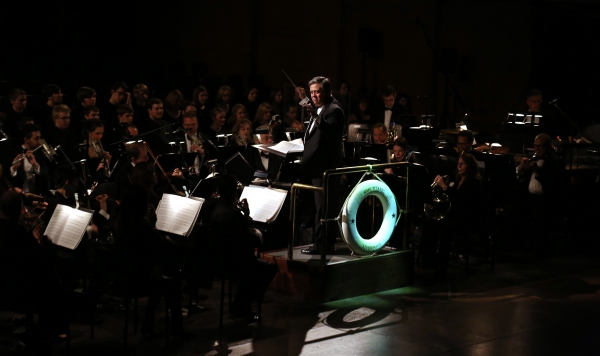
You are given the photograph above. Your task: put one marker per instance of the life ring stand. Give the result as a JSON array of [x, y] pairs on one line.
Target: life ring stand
[[392, 211]]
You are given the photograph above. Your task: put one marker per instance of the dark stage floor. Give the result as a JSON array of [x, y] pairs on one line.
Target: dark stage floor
[[527, 306]]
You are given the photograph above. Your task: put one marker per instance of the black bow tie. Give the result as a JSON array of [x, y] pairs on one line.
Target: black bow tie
[[386, 109], [264, 154]]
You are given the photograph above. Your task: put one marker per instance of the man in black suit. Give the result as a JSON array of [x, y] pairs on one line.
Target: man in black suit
[[322, 151], [391, 111], [543, 185], [464, 143], [29, 173]]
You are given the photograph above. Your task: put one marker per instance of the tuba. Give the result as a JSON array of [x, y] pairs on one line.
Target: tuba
[[440, 206]]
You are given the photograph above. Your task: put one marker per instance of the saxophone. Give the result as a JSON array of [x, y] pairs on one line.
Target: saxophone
[[392, 133]]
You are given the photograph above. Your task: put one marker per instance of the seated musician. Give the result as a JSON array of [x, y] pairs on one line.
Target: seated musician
[[156, 131], [290, 120], [238, 113], [98, 161], [27, 274], [28, 169], [401, 154], [464, 190], [145, 257], [125, 116], [60, 134], [230, 226], [380, 134], [464, 144], [217, 116], [542, 187], [196, 142], [242, 134], [262, 160], [136, 153]]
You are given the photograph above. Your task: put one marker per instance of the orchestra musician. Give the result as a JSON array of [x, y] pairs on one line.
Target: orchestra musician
[[541, 193], [322, 151], [146, 258], [28, 274], [28, 169], [230, 226], [59, 134], [464, 190], [98, 161], [400, 151], [242, 134], [380, 134], [464, 144]]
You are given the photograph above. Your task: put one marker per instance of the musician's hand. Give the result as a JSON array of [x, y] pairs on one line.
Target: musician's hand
[[177, 173], [197, 149], [440, 181], [18, 164], [101, 199], [243, 205], [94, 229], [388, 171], [301, 93], [100, 166], [108, 156], [128, 99], [31, 158]]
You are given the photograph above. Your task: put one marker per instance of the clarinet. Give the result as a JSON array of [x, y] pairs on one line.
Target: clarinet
[[100, 152]]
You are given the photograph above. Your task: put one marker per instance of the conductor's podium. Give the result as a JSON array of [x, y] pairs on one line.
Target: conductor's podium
[[343, 275]]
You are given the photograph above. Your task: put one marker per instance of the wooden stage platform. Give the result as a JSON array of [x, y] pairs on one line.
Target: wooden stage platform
[[343, 276]]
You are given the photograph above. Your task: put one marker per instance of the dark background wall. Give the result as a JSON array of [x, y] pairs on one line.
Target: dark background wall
[[491, 51]]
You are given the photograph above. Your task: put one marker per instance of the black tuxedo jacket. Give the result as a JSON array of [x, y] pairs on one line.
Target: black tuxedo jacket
[[379, 114], [323, 143]]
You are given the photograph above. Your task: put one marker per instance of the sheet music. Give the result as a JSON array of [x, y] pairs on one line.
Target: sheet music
[[264, 203], [67, 226], [177, 214], [283, 147], [74, 229], [57, 222]]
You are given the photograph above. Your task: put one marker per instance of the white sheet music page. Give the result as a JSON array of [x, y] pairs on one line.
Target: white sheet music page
[[57, 222], [264, 203], [74, 229], [286, 147], [176, 214]]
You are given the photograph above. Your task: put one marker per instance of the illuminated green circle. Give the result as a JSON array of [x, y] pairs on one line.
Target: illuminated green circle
[[350, 234]]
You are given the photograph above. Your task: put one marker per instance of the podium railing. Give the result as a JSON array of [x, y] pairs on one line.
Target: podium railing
[[339, 171]]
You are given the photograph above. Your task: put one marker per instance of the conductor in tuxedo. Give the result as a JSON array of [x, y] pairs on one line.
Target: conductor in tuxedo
[[322, 151]]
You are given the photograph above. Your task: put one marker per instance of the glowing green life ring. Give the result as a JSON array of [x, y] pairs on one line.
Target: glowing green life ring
[[359, 245]]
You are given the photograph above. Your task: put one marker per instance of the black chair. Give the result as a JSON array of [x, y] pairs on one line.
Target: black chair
[[429, 161]]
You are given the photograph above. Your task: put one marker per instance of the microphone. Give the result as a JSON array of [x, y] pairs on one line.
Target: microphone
[[553, 102]]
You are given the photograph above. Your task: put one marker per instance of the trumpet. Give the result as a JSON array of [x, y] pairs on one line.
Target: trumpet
[[97, 145], [521, 170]]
